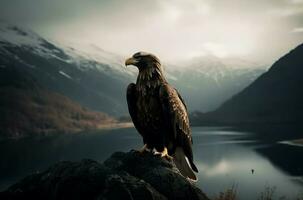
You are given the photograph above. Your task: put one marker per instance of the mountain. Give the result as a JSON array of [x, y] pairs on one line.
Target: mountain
[[95, 85], [274, 97], [97, 79], [29, 109], [208, 81]]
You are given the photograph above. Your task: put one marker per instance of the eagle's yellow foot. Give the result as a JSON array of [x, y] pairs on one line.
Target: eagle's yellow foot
[[144, 149], [164, 154]]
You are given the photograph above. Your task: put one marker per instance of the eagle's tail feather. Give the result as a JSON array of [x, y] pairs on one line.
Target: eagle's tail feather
[[183, 165], [193, 166]]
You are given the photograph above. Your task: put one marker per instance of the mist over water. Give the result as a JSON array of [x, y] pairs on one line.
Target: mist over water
[[223, 156]]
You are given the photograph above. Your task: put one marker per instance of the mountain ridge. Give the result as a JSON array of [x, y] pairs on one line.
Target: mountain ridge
[[274, 97]]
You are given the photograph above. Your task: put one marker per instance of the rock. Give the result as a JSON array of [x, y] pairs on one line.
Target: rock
[[127, 176]]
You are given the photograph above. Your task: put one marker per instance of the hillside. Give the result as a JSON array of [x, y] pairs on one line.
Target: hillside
[[28, 109], [275, 97], [66, 71]]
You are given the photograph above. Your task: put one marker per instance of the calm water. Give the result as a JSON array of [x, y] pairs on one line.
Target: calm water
[[224, 158]]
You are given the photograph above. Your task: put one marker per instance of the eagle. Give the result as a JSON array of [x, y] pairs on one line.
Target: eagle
[[160, 114]]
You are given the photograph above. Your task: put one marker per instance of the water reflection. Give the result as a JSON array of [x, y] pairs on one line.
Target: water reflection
[[230, 142], [290, 143], [227, 159], [224, 157], [222, 167]]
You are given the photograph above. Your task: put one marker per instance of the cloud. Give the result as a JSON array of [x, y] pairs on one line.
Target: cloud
[[286, 12], [172, 29], [216, 49], [297, 30], [297, 1]]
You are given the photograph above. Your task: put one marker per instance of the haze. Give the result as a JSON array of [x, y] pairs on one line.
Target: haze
[[174, 30]]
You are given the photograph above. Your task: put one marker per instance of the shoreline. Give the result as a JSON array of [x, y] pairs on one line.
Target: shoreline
[[117, 125], [107, 126], [297, 142]]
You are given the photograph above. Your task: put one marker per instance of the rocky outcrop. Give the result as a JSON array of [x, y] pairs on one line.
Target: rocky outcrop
[[123, 176]]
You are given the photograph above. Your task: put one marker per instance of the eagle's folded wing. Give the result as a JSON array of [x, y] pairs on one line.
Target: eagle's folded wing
[[131, 97], [176, 118]]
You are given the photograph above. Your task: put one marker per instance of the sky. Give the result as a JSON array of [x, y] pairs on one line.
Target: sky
[[174, 30]]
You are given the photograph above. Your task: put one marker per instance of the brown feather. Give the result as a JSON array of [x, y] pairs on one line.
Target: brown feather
[[160, 115]]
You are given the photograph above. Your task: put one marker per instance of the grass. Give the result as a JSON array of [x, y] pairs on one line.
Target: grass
[[228, 194], [269, 193]]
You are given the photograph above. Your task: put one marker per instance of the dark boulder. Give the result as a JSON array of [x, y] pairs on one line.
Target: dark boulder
[[122, 176]]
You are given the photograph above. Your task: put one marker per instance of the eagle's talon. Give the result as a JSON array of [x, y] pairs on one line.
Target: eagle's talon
[[164, 154]]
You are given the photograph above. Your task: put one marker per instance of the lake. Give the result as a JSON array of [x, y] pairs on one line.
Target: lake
[[224, 156]]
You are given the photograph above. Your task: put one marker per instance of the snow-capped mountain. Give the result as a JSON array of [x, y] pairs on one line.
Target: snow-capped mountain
[[94, 84], [208, 81], [97, 78], [21, 37], [93, 57]]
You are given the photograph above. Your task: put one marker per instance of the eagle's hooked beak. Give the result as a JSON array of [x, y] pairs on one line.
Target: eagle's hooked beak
[[131, 61]]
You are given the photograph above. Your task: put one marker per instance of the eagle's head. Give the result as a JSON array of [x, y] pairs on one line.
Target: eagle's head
[[150, 70], [144, 61]]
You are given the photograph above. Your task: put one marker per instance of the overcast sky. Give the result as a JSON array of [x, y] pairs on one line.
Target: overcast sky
[[260, 30]]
